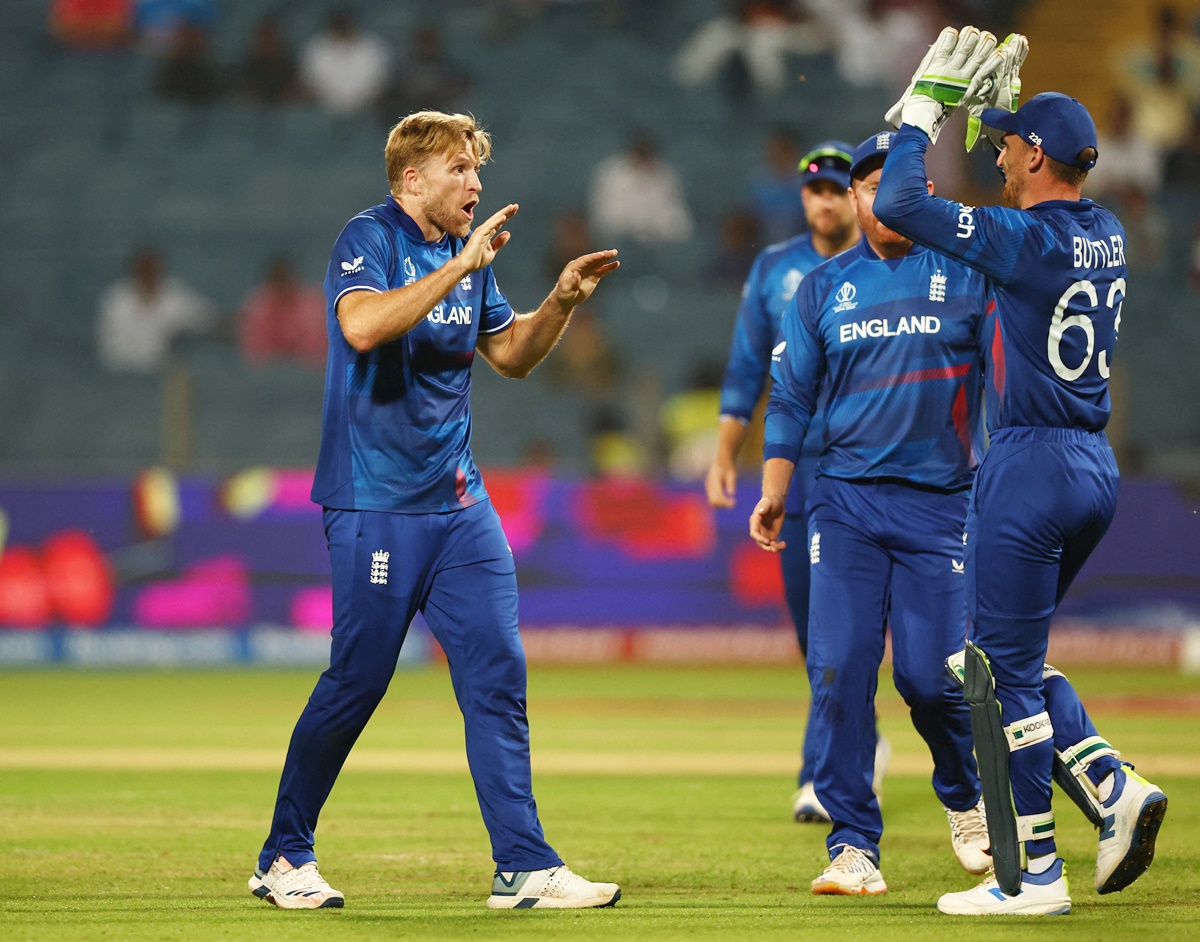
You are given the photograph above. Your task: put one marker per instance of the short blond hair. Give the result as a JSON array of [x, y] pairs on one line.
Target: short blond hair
[[426, 134]]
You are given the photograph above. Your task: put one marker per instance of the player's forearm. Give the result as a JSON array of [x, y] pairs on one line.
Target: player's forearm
[[369, 319], [777, 478], [531, 339], [903, 201], [731, 435]]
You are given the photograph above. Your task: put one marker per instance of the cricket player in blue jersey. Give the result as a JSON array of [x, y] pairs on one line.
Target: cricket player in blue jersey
[[411, 300], [889, 333], [773, 279], [1046, 491]]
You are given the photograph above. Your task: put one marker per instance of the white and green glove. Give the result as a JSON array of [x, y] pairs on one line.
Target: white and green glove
[[956, 60], [1001, 89]]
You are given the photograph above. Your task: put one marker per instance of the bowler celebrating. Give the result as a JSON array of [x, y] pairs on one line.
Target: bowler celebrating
[[411, 299]]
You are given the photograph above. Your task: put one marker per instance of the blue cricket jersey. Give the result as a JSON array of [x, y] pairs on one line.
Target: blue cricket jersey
[[773, 280], [1057, 274], [396, 428], [895, 344]]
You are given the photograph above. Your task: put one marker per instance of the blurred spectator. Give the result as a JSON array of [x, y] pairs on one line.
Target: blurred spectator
[[283, 318], [426, 80], [159, 22], [1145, 227], [862, 29], [738, 244], [638, 195], [1183, 163], [774, 193], [344, 68], [615, 450], [91, 24], [688, 421], [1162, 81], [268, 74], [758, 34], [584, 363], [140, 315], [1126, 158], [572, 238], [189, 73]]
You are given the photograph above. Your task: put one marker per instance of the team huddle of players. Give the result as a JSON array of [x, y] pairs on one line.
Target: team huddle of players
[[895, 323]]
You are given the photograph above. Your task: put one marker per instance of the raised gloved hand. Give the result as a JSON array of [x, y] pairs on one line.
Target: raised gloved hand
[[956, 60], [1000, 89]]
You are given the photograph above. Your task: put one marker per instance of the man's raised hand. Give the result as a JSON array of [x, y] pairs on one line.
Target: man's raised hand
[[580, 277], [487, 240], [999, 88], [955, 61]]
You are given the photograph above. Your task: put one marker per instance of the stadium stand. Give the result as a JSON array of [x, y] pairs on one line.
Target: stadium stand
[[93, 165]]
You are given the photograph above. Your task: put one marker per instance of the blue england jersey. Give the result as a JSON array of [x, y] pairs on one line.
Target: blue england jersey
[[1057, 274], [895, 345], [773, 280], [396, 429]]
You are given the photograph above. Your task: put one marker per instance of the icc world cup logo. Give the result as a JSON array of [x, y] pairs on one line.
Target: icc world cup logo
[[846, 293]]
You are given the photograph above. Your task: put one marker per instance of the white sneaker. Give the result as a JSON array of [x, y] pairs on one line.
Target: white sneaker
[[291, 887], [1133, 813], [556, 888], [807, 808], [969, 838], [851, 873], [883, 752], [1041, 894]]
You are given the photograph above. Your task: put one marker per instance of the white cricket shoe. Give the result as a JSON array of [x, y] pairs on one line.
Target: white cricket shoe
[[291, 887], [969, 838], [807, 808], [1041, 894], [851, 873], [556, 888], [1133, 813]]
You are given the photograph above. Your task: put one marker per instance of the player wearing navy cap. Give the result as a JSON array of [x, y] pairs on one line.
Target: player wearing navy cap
[[773, 279], [411, 300], [1046, 491], [889, 333]]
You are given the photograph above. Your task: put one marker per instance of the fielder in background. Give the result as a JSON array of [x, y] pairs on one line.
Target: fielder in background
[[1046, 491], [411, 300], [773, 279], [891, 331]]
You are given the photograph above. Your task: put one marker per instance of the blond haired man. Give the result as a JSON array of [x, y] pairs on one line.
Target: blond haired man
[[411, 298]]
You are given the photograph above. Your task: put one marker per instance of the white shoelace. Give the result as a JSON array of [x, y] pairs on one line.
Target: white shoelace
[[968, 827], [852, 860]]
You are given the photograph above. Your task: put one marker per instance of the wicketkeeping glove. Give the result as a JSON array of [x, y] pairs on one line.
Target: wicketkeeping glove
[[1002, 89], [953, 62]]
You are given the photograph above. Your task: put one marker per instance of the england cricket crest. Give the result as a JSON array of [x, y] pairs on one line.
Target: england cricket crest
[[379, 567]]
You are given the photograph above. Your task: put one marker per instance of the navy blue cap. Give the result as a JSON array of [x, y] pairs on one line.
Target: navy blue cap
[[829, 160], [1055, 122], [874, 147]]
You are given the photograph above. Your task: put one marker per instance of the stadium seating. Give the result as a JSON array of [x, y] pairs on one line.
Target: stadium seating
[[93, 166]]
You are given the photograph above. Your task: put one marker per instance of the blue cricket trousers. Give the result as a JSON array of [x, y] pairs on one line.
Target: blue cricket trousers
[[1043, 498], [455, 568], [885, 553]]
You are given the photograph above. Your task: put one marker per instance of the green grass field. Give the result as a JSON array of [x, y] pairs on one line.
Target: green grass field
[[133, 805]]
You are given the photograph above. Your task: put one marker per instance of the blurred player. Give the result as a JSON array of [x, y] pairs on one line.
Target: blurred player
[[774, 278], [1047, 488], [891, 332], [411, 300]]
